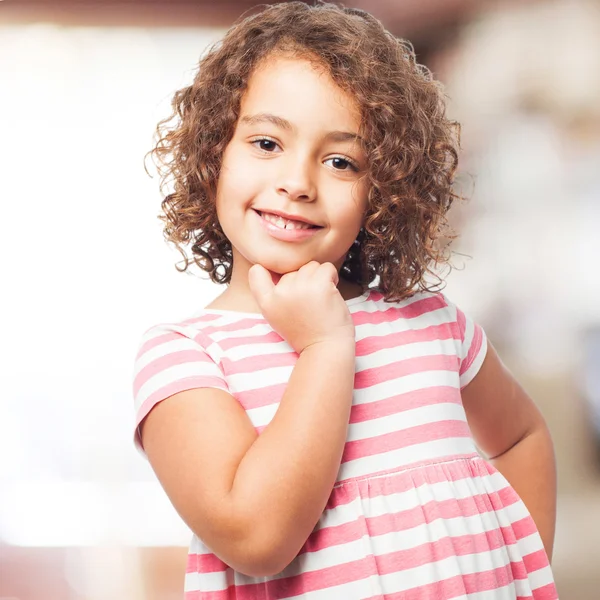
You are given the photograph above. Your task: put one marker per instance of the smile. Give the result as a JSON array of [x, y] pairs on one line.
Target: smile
[[286, 230], [282, 223]]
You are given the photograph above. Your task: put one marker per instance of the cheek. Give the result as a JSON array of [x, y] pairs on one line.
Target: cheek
[[239, 181], [351, 213]]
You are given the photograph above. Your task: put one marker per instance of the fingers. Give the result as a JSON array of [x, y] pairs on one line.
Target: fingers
[[331, 273], [324, 273], [260, 282]]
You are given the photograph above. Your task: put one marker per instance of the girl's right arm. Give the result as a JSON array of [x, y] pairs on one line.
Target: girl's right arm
[[254, 500]]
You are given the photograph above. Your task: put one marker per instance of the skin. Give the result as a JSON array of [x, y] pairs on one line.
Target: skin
[[203, 448], [300, 171]]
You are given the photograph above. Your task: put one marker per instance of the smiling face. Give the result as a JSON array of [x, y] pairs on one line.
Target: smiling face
[[291, 186]]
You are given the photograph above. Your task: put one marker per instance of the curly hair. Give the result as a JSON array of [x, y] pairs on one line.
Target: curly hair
[[410, 145]]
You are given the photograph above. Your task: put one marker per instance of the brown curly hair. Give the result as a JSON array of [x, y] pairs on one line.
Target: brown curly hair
[[411, 147]]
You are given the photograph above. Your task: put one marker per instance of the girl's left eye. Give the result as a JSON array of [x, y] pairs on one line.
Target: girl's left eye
[[342, 164], [339, 162]]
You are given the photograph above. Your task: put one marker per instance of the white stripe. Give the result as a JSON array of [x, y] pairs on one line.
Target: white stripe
[[452, 566], [173, 374], [363, 467], [411, 498], [205, 582], [245, 382], [507, 592], [400, 421], [250, 350], [261, 328], [165, 349], [541, 577], [397, 541], [401, 385], [409, 383], [418, 349], [402, 324], [374, 306], [440, 491], [262, 416], [355, 590], [530, 543]]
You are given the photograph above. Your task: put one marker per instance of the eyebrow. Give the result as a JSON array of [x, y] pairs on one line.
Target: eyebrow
[[334, 136]]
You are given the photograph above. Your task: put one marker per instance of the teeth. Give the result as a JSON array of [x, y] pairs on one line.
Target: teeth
[[284, 223]]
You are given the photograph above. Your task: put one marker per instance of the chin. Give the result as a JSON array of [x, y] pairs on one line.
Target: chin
[[281, 266]]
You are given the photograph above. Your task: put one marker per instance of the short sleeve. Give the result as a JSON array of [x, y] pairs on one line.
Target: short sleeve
[[472, 346], [171, 359]]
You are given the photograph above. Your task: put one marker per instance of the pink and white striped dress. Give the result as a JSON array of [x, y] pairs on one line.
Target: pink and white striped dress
[[416, 513]]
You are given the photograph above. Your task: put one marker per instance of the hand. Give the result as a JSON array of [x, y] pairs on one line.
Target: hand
[[304, 307]]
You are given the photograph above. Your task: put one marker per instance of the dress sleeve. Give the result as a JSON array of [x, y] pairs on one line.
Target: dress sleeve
[[472, 344], [171, 359]]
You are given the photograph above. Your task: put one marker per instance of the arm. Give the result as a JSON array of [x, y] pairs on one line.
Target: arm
[[510, 430], [255, 500]]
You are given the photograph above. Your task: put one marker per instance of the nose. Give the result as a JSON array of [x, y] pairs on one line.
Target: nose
[[296, 180]]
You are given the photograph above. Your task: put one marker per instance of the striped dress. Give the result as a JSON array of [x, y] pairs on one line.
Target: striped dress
[[415, 513]]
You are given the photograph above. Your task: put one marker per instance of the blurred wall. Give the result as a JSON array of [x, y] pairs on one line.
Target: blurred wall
[[81, 515]]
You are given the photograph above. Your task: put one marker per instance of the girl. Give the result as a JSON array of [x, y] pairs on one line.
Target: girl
[[317, 425]]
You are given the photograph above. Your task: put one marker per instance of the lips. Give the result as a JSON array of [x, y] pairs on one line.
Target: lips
[[286, 221]]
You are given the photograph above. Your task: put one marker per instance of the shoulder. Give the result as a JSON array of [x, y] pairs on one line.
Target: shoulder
[[422, 306], [202, 327]]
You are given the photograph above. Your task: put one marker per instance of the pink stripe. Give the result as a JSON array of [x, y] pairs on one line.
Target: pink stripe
[[473, 350], [507, 495], [432, 552], [404, 438], [204, 318], [229, 594], [523, 527], [237, 325], [459, 585], [261, 396], [402, 368], [535, 561], [310, 581], [357, 570], [547, 592], [461, 321], [434, 333], [255, 364], [171, 336], [179, 357], [360, 413], [236, 342], [428, 472], [173, 388], [385, 315], [402, 402], [429, 512], [204, 563]]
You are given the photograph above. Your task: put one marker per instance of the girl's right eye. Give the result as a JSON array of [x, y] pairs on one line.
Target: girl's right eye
[[265, 144]]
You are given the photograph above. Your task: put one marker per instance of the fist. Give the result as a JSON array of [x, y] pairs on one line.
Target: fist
[[304, 307]]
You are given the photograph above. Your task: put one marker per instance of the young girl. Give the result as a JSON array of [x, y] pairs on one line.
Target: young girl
[[317, 426]]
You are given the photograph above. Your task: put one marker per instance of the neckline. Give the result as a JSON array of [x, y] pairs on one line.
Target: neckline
[[255, 315]]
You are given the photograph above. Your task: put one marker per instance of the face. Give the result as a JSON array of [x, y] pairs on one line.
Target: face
[[292, 186]]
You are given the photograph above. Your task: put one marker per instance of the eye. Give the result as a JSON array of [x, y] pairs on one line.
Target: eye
[[265, 144], [341, 164]]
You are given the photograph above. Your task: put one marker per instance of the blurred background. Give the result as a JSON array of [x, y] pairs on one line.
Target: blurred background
[[86, 271]]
